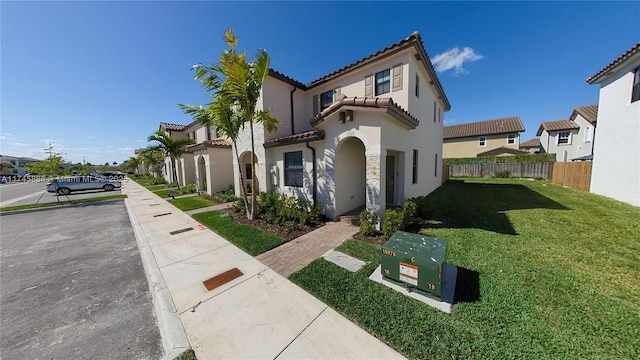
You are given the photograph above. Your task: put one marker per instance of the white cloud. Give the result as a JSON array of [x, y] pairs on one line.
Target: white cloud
[[19, 144], [454, 59]]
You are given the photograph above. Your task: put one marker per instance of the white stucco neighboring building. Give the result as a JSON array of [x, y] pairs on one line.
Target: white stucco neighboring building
[[616, 158], [570, 139], [367, 135]]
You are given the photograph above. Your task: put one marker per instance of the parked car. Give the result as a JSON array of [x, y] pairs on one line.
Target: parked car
[[113, 175], [66, 185]]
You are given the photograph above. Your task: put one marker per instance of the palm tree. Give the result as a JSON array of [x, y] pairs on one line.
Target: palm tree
[[151, 157], [237, 84], [170, 147]]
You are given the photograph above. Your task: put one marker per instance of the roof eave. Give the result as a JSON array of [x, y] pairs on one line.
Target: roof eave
[[269, 145]]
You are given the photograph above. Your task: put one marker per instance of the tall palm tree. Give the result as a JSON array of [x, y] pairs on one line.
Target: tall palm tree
[[236, 83], [152, 159], [170, 147]]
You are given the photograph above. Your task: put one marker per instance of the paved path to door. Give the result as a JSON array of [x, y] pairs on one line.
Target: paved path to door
[[298, 253]]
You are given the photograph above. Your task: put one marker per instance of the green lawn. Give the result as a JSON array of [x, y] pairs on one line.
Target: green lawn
[[191, 202], [162, 193], [251, 240], [49, 204], [545, 272]]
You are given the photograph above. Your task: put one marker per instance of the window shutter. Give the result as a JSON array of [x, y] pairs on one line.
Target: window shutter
[[336, 94], [397, 77], [315, 105], [368, 86]]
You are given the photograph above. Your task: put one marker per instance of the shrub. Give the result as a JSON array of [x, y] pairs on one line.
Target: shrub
[[189, 189], [408, 212], [238, 206], [226, 196], [315, 212], [393, 220], [279, 209], [158, 181], [368, 222], [502, 174], [423, 207]]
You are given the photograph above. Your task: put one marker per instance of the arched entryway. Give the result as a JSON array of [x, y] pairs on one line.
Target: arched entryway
[[201, 167], [247, 173], [350, 176], [179, 173]]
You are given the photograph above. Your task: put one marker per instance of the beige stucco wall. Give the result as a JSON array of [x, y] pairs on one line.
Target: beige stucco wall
[[468, 147]]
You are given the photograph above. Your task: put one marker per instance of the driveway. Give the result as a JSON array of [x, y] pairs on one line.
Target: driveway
[[73, 286]]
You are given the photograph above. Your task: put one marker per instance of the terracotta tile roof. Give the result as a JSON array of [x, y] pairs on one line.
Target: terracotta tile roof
[[373, 102], [600, 75], [557, 126], [170, 126], [535, 142], [295, 138], [488, 127], [502, 150], [215, 143], [588, 112]]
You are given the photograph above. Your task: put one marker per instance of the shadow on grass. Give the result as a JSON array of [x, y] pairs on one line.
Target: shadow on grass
[[458, 204], [467, 286]]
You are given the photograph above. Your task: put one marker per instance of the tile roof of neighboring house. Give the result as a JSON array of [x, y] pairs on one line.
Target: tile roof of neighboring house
[[502, 150], [413, 40], [14, 158], [174, 127], [374, 102], [535, 142], [215, 143], [488, 127], [295, 138], [556, 126], [607, 70], [588, 112]]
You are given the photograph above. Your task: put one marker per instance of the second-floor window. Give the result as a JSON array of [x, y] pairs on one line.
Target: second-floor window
[[208, 132], [482, 141], [635, 92], [588, 134], [415, 166], [383, 82], [293, 168], [511, 139], [564, 137], [326, 99]]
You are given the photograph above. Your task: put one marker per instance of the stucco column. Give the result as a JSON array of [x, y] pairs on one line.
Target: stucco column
[[374, 197]]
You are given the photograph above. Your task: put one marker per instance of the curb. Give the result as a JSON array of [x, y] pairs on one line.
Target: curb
[[174, 337]]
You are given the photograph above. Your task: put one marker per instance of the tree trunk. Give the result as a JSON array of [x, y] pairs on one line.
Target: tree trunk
[[253, 174], [175, 172], [243, 189]]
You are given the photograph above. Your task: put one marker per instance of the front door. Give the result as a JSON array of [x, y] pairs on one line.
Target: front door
[[391, 180]]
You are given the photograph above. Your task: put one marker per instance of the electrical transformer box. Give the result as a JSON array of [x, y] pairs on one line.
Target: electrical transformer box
[[415, 261]]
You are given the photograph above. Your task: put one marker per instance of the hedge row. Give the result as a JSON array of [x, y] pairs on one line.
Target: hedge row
[[530, 158]]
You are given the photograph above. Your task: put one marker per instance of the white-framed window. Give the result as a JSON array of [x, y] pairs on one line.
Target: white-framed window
[[383, 82], [482, 141], [635, 91], [417, 86], [588, 134], [326, 99], [415, 166], [511, 139], [564, 137], [293, 168]]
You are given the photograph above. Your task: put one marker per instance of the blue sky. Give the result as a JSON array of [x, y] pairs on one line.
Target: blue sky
[[96, 78]]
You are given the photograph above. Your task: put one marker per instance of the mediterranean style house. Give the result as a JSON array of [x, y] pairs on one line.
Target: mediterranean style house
[[531, 146], [366, 135], [570, 139], [207, 163], [616, 154], [18, 163], [481, 138]]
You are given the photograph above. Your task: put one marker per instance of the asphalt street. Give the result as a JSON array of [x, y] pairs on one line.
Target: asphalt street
[[73, 286], [14, 194]]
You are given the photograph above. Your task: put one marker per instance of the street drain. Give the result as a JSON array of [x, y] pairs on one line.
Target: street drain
[[180, 231], [222, 279], [154, 204], [147, 199], [161, 214]]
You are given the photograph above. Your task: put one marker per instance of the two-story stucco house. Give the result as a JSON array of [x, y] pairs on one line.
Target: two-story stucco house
[[479, 138], [616, 155], [532, 146], [367, 135], [570, 139], [207, 163], [18, 163]]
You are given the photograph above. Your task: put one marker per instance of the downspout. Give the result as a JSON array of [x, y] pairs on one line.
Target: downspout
[[291, 100], [314, 175]]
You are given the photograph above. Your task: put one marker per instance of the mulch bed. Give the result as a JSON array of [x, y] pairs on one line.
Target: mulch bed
[[415, 227], [288, 234]]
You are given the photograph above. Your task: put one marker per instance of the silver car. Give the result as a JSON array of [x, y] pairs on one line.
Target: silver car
[[67, 184]]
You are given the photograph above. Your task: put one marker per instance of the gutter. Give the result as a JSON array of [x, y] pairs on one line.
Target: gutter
[[314, 176]]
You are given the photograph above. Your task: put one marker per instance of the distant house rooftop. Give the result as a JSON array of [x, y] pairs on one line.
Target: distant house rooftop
[[487, 127], [532, 143], [558, 125], [588, 112]]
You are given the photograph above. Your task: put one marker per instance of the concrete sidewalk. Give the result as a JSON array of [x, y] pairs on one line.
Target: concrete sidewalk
[[259, 315]]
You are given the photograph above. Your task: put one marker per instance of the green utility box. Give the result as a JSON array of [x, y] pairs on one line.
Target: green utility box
[[414, 261]]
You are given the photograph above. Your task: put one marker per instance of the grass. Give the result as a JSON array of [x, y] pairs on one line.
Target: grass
[[157, 187], [162, 193], [187, 355], [192, 202], [249, 239], [49, 204], [545, 272]]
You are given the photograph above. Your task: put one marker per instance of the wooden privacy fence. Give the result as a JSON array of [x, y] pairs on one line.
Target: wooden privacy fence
[[575, 175], [526, 170]]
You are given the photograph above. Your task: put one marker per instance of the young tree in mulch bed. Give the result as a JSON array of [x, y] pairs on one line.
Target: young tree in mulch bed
[[289, 233]]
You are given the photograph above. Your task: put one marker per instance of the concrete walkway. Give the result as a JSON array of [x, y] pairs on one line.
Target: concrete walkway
[[298, 253], [259, 315]]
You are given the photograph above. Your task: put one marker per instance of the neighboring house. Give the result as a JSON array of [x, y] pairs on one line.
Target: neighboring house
[[18, 163], [570, 139], [503, 151], [531, 146], [473, 139], [616, 155], [367, 135], [207, 163]]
